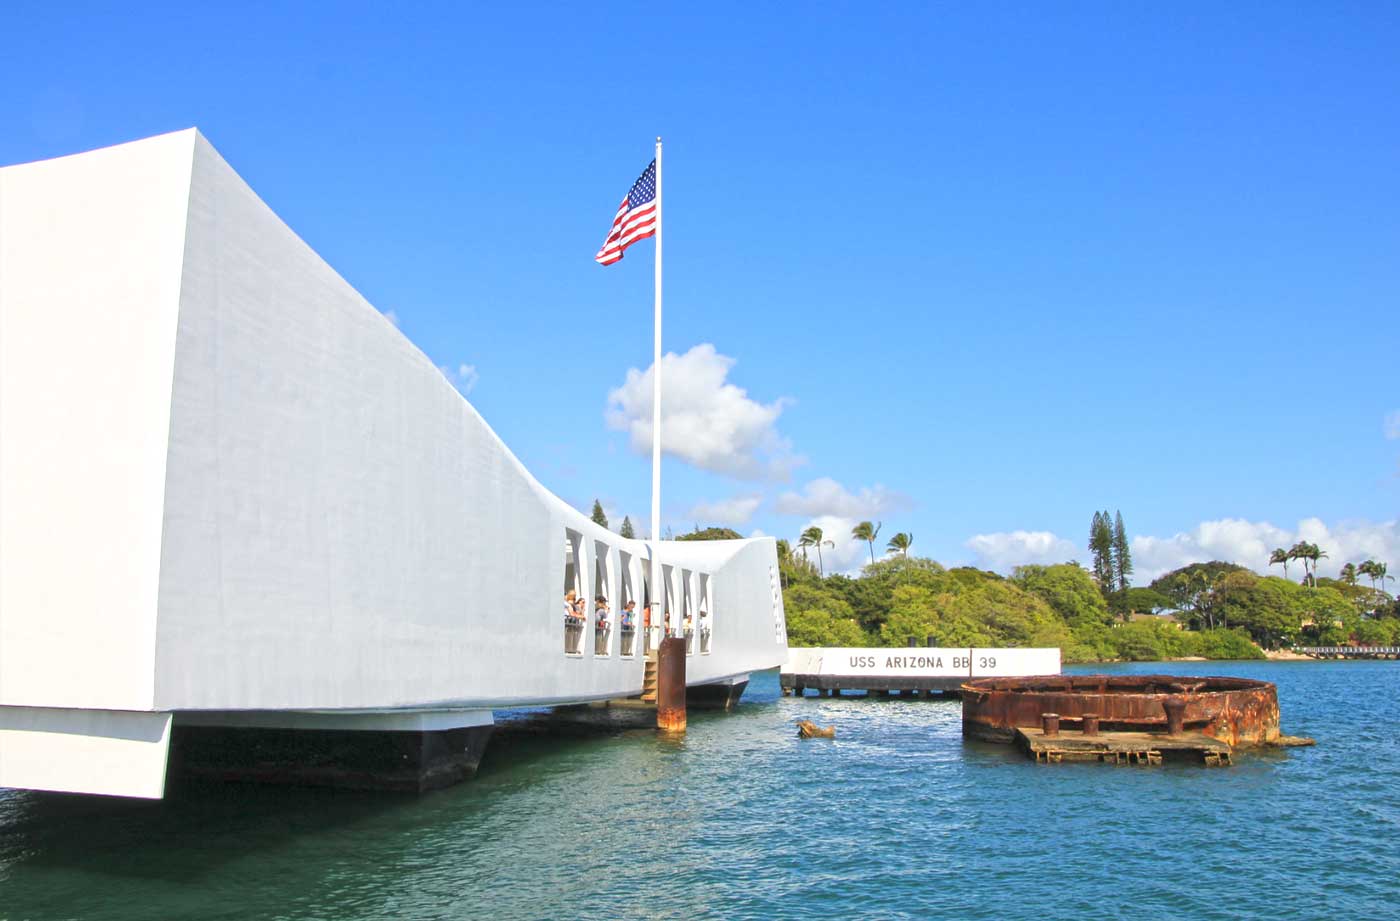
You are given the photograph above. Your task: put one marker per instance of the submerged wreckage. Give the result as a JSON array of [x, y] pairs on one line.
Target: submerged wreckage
[[1118, 719]]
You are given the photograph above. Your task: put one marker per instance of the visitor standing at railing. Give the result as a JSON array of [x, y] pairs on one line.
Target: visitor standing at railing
[[574, 620]]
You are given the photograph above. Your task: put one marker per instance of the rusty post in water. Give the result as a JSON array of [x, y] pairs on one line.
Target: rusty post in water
[[1050, 722], [670, 685], [1176, 714], [1091, 724]]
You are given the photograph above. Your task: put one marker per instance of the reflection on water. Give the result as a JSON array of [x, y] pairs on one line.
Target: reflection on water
[[898, 817]]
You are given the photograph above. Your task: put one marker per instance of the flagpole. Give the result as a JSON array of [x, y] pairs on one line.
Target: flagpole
[[656, 401], [656, 372]]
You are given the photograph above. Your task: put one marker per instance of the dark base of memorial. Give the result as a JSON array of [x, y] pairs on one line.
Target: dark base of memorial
[[406, 761], [715, 696]]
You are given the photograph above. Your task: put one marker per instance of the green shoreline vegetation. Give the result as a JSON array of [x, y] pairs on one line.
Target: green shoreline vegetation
[[1211, 610]]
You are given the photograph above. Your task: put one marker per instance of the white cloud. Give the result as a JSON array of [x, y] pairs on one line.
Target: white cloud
[[847, 554], [825, 496], [391, 317], [464, 378], [1233, 540], [1004, 550], [735, 510], [1392, 425], [706, 421]]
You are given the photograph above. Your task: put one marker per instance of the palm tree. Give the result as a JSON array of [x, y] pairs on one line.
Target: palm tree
[[1315, 553], [1280, 556], [1348, 574], [864, 531], [1299, 551], [812, 537], [1376, 572], [784, 561], [900, 543]]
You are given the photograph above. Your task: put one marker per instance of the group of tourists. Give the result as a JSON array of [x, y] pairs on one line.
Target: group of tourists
[[575, 617]]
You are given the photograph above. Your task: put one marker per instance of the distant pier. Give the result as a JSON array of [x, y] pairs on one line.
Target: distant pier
[[1349, 652], [912, 671]]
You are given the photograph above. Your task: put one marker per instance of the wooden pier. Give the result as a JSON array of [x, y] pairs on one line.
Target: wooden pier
[[1144, 748], [1349, 652]]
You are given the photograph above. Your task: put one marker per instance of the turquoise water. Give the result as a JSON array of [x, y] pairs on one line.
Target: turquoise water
[[898, 818]]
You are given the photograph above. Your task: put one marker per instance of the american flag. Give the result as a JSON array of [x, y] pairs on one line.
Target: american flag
[[635, 220]]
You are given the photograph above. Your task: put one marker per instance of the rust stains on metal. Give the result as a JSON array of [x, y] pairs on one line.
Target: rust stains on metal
[[1175, 708], [670, 685], [1236, 711]]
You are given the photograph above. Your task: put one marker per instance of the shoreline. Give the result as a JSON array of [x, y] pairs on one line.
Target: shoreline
[[1288, 655]]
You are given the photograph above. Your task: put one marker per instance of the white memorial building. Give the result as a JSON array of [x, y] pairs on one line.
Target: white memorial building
[[237, 504]]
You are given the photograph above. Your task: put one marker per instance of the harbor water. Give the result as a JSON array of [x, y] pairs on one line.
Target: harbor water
[[898, 817]]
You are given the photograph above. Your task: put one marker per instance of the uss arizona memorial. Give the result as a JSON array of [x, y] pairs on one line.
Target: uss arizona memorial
[[239, 509]]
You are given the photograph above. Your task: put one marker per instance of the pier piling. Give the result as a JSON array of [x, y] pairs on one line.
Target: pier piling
[[670, 690]]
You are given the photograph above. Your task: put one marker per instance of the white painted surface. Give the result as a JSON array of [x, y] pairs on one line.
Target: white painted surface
[[84, 751], [229, 484], [90, 253], [922, 662], [804, 660], [903, 663], [1009, 663]]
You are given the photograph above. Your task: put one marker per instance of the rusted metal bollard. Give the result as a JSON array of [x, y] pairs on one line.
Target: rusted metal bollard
[[1090, 724], [670, 685], [1050, 722], [1176, 714]]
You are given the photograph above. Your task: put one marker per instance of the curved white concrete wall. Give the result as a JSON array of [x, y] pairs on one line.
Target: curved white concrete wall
[[90, 254], [281, 504]]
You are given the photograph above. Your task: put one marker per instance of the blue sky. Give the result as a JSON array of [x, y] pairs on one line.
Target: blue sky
[[974, 272]]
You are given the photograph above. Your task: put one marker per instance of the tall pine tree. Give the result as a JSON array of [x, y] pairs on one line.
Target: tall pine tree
[[627, 528], [598, 516], [1101, 548], [1122, 558]]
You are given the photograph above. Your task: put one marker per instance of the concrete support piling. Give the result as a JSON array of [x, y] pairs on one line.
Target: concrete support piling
[[670, 689]]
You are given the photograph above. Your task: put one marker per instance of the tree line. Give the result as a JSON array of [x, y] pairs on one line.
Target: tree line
[[1211, 609], [865, 531]]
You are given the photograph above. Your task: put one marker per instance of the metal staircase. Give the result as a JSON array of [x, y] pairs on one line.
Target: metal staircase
[[649, 679]]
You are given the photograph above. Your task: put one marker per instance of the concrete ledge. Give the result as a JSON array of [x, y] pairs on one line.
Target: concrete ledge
[[348, 720], [111, 752], [870, 682]]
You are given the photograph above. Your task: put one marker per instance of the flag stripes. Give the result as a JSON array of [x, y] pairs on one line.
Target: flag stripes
[[635, 219]]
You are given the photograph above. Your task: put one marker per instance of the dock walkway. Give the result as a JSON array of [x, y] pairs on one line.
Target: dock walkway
[[1349, 652], [1145, 748]]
